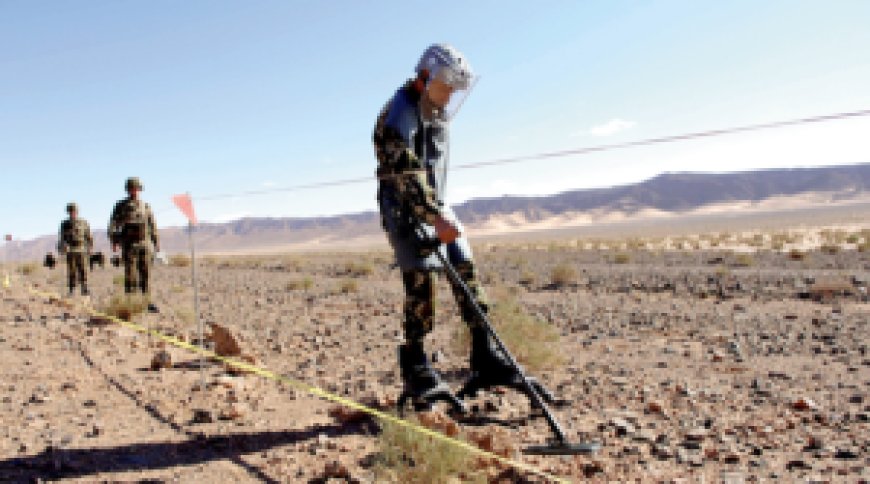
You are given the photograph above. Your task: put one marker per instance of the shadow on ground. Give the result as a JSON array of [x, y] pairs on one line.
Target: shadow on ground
[[55, 463]]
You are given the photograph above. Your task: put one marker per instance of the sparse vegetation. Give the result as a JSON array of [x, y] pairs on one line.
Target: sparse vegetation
[[118, 279], [743, 260], [302, 284], [527, 278], [28, 268], [358, 268], [796, 254], [563, 275], [621, 258], [829, 248], [179, 260], [347, 286], [408, 456], [126, 306], [534, 343]]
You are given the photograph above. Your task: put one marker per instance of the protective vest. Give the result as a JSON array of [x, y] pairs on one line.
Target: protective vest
[[75, 236], [132, 223]]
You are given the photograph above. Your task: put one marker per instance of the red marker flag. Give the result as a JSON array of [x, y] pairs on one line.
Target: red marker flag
[[185, 204]]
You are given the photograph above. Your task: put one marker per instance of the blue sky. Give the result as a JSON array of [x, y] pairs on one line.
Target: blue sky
[[211, 97]]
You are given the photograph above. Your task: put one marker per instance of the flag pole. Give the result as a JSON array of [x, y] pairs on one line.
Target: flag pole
[[6, 240], [190, 229], [185, 204]]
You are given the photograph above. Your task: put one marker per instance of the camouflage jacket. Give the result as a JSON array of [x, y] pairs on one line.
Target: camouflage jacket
[[411, 154], [74, 236], [132, 222]]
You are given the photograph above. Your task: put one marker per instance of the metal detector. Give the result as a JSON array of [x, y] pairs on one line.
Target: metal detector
[[559, 445]]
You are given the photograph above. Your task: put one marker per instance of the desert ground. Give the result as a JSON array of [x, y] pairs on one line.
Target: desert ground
[[737, 356]]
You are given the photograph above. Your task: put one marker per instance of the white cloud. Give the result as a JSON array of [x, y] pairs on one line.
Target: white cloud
[[267, 184], [611, 127]]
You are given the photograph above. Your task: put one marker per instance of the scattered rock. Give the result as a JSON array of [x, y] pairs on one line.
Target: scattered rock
[[161, 359], [803, 404], [224, 342], [201, 416]]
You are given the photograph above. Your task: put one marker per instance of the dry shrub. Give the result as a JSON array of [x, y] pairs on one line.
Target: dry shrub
[[303, 284], [621, 258], [743, 260], [358, 268], [527, 278], [186, 316], [28, 268], [118, 280], [563, 275], [534, 343], [796, 254], [864, 246], [347, 286], [829, 248], [179, 260], [126, 306], [408, 456]]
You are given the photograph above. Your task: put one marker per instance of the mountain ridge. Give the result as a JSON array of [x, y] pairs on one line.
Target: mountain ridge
[[672, 193]]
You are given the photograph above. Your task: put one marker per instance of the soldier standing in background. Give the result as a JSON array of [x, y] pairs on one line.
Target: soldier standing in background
[[76, 242], [132, 228]]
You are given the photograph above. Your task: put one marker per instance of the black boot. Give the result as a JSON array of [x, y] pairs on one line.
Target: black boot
[[423, 384], [490, 367], [489, 363]]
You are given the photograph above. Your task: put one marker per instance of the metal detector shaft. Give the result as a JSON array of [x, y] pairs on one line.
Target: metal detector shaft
[[533, 393]]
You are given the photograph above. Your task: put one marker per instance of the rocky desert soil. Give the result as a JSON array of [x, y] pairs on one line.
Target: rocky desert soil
[[685, 365]]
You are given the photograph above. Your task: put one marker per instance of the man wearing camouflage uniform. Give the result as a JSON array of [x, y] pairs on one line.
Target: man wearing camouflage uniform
[[410, 141], [74, 240], [132, 228]]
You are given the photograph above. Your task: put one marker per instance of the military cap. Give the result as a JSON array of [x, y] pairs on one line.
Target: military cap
[[133, 182], [72, 207]]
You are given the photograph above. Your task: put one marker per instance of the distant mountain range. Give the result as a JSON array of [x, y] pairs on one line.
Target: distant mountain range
[[666, 194]]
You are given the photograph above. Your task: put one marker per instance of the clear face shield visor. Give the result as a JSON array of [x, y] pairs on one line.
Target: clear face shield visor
[[460, 85]]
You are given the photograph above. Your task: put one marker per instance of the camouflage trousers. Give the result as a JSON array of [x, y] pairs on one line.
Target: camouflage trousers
[[420, 300], [75, 269], [137, 268]]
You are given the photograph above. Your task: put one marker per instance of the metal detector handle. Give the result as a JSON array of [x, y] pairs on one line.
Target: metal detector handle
[[537, 400]]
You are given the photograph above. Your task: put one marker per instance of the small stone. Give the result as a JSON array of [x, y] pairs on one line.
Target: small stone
[[622, 426], [336, 470], [845, 454], [233, 412], [161, 359], [797, 464], [802, 404], [654, 407], [201, 416]]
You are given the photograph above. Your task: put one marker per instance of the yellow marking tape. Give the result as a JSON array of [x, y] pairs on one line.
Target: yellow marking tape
[[310, 389]]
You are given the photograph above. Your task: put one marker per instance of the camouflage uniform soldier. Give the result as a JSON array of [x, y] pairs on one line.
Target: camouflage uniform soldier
[[74, 239], [132, 228], [410, 141]]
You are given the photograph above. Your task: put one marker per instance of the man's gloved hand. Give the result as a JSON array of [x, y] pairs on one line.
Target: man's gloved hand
[[446, 229]]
